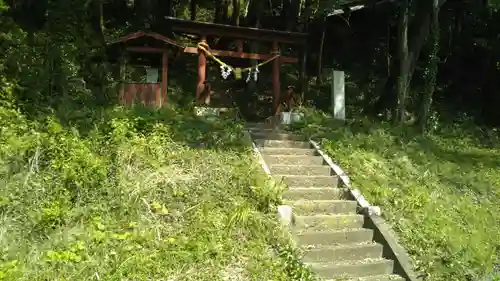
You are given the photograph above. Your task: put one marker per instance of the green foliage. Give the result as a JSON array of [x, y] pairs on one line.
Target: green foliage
[[494, 4], [3, 6], [294, 268], [440, 192], [131, 199]]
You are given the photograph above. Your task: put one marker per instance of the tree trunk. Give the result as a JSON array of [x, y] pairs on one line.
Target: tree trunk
[[97, 18], [246, 6], [222, 11], [218, 11], [252, 85], [303, 62], [169, 11], [162, 9], [320, 54], [419, 39], [432, 68], [402, 84], [292, 15], [225, 11], [101, 20], [193, 9], [421, 32], [236, 12], [250, 97]]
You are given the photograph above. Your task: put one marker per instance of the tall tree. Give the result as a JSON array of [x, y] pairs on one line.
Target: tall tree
[[432, 69], [236, 12], [193, 9], [402, 84]]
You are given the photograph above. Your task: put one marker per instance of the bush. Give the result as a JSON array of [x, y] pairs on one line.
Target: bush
[[124, 194]]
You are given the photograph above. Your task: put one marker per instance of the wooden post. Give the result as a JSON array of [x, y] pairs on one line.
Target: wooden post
[[164, 75], [202, 64], [276, 79], [303, 75], [206, 97], [320, 56], [121, 89], [338, 94]]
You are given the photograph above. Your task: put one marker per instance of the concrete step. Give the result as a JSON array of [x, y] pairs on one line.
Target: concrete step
[[304, 181], [325, 207], [328, 222], [293, 160], [385, 277], [315, 193], [274, 135], [309, 170], [389, 277], [282, 143], [267, 130], [262, 126], [364, 268], [347, 236], [280, 151], [344, 252]]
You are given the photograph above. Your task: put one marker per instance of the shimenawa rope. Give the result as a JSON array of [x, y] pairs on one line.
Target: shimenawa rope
[[227, 69]]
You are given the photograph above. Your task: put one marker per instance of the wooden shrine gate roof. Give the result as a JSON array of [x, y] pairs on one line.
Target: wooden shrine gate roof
[[237, 32], [144, 37]]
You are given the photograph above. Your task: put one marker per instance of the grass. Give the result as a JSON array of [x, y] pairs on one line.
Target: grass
[[440, 192], [136, 195]]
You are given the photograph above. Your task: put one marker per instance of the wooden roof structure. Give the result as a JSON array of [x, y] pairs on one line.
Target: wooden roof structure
[[145, 42], [236, 32], [142, 47], [147, 37]]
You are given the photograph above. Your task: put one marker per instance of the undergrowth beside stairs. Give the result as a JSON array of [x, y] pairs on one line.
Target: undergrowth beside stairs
[[441, 192], [121, 194]]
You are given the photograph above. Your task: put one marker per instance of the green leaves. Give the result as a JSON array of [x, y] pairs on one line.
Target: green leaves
[[494, 4], [131, 199], [3, 6]]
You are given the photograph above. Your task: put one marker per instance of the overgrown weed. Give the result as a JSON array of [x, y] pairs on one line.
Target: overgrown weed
[[124, 194]]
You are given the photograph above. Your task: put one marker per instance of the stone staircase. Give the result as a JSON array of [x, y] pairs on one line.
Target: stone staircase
[[326, 223]]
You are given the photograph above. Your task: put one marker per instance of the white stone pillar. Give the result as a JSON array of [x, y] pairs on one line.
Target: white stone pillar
[[338, 94]]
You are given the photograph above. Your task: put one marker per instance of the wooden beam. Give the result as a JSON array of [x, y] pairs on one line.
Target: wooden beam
[[164, 75], [236, 32], [145, 49], [194, 50], [154, 35]]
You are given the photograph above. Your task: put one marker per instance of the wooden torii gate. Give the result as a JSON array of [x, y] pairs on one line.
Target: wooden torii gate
[[204, 30]]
